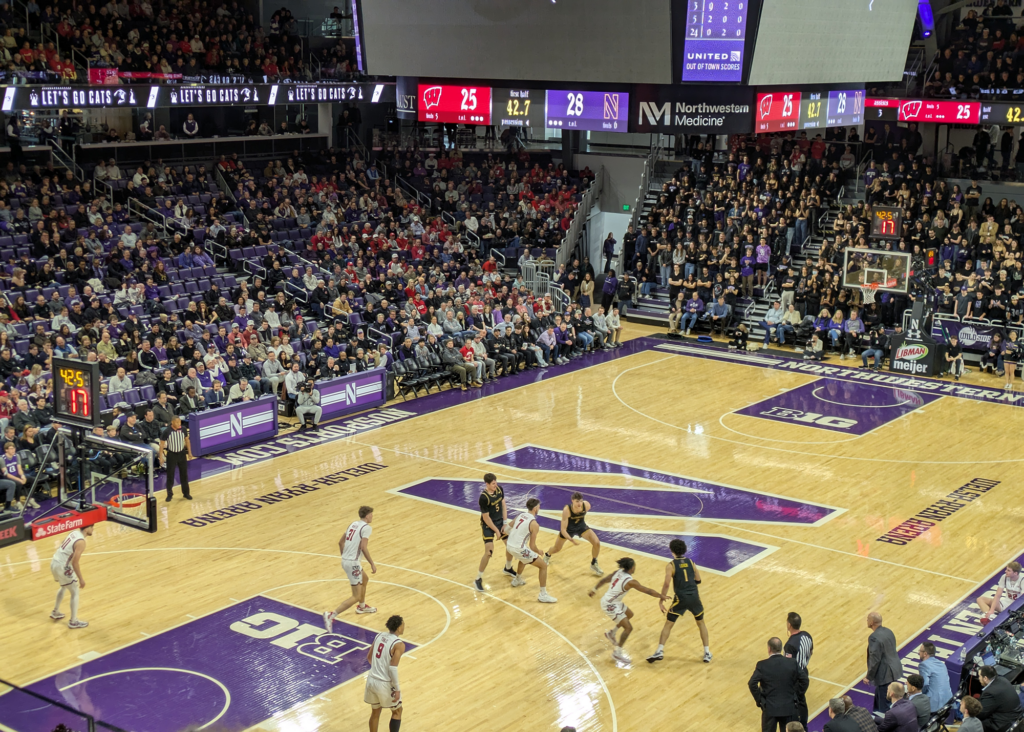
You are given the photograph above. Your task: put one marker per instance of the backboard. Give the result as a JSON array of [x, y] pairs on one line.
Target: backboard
[[875, 268]]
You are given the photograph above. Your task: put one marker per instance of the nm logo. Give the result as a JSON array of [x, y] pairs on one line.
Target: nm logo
[[656, 115]]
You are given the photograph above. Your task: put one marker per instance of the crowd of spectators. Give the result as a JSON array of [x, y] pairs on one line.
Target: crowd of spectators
[[176, 39], [984, 58], [722, 234], [336, 271]]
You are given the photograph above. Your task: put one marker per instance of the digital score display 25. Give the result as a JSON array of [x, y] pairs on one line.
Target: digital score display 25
[[716, 31], [76, 389], [886, 223], [449, 104], [777, 112]]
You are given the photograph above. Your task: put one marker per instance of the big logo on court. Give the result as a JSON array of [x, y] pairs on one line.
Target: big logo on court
[[228, 670], [647, 493]]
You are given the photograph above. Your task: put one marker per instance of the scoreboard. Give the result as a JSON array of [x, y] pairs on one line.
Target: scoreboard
[[807, 110], [521, 107]]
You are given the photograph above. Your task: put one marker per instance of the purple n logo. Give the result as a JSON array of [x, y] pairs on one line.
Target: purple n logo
[[678, 497]]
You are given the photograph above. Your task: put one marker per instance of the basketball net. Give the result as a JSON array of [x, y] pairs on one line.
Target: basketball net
[[867, 293]]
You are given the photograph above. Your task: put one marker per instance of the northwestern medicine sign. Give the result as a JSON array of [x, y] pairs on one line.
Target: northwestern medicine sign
[[691, 110]]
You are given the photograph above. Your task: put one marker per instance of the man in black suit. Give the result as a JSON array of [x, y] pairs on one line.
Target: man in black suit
[[923, 705], [775, 684], [1000, 705], [883, 662], [838, 721]]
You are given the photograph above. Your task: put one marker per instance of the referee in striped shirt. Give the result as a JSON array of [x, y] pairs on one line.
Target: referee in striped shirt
[[176, 451], [799, 647]]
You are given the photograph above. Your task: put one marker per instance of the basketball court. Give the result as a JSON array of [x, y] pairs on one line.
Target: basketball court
[[795, 484]]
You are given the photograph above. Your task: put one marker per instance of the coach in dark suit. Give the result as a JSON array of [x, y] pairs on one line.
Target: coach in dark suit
[[883, 662], [901, 715], [775, 684], [838, 721], [1000, 705], [923, 705]]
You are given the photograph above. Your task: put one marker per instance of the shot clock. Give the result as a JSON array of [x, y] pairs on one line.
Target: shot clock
[[1001, 113], [886, 223], [517, 107], [76, 388]]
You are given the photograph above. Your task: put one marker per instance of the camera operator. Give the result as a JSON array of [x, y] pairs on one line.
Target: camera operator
[[307, 401]]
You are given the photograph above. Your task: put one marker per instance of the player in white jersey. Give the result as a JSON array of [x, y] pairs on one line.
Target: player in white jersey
[[621, 581], [354, 545], [67, 573], [1010, 587], [382, 688], [522, 544]]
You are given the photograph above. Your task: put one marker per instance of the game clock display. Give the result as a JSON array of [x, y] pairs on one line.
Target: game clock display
[[76, 388], [886, 223], [467, 105], [587, 110], [1001, 113], [517, 107]]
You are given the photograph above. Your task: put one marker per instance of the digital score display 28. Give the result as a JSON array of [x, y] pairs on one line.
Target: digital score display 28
[[886, 223], [716, 31], [76, 389], [587, 110]]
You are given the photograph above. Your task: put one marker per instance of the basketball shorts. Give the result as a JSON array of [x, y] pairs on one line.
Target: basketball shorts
[[489, 532], [525, 555], [62, 575], [354, 572], [378, 695], [577, 530], [682, 605], [616, 611]]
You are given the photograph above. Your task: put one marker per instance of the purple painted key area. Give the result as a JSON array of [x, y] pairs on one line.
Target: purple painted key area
[[713, 501], [839, 406], [718, 553], [234, 669]]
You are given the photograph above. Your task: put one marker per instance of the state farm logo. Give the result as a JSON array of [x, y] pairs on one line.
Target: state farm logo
[[56, 527], [431, 97], [909, 110], [969, 336], [765, 107], [911, 353]]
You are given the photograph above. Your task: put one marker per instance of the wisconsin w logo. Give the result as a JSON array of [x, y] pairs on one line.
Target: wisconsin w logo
[[649, 494]]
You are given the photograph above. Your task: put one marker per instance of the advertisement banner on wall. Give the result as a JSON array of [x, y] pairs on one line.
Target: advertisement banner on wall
[[691, 110], [976, 337], [406, 91]]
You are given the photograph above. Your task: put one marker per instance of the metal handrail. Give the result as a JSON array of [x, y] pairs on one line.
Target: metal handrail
[[246, 264], [304, 299], [579, 218], [559, 297], [67, 161], [499, 257], [149, 214]]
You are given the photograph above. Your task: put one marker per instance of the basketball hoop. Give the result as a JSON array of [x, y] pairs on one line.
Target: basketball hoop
[[867, 292], [131, 504]]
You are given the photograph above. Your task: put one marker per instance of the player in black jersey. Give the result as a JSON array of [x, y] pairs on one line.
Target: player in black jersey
[[574, 523], [682, 574], [493, 514]]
